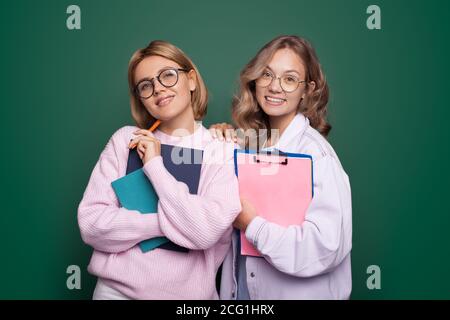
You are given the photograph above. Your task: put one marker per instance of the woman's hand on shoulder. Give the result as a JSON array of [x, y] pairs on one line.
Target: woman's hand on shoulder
[[223, 131]]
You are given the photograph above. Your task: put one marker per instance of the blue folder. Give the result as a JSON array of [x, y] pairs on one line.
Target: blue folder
[[135, 191]]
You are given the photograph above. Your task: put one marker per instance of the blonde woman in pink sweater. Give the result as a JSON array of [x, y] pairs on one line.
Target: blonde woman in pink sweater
[[164, 85]]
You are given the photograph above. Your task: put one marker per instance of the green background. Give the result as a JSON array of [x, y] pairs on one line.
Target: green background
[[63, 94]]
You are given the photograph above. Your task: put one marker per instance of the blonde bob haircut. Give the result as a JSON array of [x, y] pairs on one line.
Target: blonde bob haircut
[[199, 97]]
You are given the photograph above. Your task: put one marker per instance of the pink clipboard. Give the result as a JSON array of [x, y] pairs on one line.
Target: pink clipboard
[[279, 185]]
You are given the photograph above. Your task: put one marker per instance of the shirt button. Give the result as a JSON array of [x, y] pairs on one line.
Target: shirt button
[[233, 295], [252, 275]]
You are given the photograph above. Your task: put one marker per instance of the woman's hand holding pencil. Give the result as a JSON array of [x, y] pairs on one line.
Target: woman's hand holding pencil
[[147, 145]]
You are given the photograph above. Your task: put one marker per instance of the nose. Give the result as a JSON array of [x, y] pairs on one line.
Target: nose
[[275, 86], [157, 87]]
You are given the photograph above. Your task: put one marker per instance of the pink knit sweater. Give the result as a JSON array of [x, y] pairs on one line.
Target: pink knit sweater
[[199, 222]]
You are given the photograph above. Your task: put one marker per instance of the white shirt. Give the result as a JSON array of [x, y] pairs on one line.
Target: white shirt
[[308, 261]]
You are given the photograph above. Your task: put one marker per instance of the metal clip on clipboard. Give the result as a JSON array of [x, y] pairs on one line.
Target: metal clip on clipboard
[[284, 162]]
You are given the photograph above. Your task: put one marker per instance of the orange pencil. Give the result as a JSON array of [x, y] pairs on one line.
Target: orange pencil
[[152, 128], [155, 125]]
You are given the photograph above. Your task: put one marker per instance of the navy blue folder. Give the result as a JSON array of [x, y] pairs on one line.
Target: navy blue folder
[[183, 163]]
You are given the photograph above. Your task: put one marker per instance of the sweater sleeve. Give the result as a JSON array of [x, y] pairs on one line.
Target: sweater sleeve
[[323, 240], [103, 224], [195, 221]]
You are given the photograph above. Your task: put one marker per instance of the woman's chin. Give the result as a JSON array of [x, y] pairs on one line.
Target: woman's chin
[[165, 115], [275, 111], [165, 118]]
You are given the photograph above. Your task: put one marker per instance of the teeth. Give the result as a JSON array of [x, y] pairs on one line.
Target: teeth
[[274, 99]]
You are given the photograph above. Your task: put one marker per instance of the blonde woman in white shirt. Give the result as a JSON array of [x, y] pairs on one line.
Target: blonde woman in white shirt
[[284, 92]]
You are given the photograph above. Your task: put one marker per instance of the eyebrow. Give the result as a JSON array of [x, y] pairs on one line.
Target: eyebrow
[[287, 71], [159, 71]]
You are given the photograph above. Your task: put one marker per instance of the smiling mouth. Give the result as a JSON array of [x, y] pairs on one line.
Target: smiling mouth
[[164, 101], [273, 100]]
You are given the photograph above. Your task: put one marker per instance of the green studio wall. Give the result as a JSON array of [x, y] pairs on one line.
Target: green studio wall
[[64, 92]]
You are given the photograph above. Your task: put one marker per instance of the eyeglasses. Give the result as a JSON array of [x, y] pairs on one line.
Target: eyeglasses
[[288, 83], [168, 78]]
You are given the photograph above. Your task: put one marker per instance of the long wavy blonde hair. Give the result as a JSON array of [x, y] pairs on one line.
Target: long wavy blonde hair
[[248, 114], [199, 97]]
